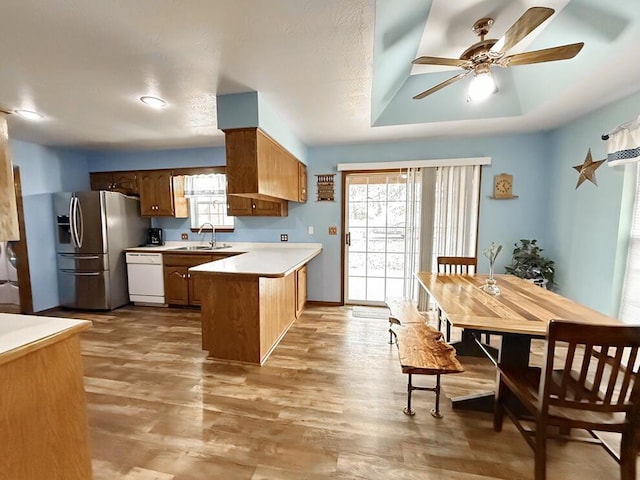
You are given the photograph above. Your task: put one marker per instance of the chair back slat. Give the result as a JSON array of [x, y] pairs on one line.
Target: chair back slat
[[457, 265], [600, 372], [584, 368], [616, 363], [628, 372], [567, 368], [602, 361]]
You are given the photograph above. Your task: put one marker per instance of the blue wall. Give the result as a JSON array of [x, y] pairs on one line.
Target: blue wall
[[250, 109], [501, 221], [589, 227], [43, 171], [505, 222], [585, 231]]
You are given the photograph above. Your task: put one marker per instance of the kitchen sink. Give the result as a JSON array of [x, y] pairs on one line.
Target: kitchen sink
[[202, 247]]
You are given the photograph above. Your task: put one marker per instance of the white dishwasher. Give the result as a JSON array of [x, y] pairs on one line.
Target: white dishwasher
[[146, 280]]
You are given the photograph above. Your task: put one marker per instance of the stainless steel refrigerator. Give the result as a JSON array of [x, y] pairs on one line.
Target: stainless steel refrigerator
[[92, 230]]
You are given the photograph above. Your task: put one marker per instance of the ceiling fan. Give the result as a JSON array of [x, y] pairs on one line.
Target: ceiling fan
[[482, 55]]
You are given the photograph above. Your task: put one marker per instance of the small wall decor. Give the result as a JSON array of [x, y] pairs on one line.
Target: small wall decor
[[326, 190], [587, 170], [503, 187]]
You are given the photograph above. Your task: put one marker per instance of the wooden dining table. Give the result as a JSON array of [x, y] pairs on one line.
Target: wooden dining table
[[518, 314]]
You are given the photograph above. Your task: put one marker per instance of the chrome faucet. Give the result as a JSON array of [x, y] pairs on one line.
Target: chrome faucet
[[212, 242]]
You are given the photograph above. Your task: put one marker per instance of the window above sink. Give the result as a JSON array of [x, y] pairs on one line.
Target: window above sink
[[207, 195]]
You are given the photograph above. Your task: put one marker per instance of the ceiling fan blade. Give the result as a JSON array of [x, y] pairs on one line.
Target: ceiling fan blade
[[451, 62], [441, 85], [563, 52], [527, 23]]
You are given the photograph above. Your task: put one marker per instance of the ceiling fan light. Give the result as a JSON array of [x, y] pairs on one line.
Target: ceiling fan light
[[482, 86]]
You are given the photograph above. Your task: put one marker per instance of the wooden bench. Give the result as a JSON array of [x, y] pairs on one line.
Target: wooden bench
[[421, 349], [403, 312]]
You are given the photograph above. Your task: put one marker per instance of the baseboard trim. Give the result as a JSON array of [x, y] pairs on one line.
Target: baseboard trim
[[319, 303]]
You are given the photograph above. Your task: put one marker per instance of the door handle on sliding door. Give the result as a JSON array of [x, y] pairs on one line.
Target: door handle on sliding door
[[347, 239]]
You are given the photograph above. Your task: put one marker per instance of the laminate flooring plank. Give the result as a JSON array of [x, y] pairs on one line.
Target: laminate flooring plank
[[326, 405]]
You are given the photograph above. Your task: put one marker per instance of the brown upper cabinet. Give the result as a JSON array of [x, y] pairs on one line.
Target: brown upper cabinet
[[302, 179], [245, 207], [123, 182], [162, 194], [258, 167]]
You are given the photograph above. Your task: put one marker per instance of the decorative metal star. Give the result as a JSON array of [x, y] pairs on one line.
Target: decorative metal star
[[588, 170]]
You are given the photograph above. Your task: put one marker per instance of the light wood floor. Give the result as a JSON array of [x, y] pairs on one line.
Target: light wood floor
[[327, 404]]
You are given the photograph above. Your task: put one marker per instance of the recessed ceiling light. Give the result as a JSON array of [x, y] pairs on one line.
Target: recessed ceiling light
[[28, 114], [154, 102]]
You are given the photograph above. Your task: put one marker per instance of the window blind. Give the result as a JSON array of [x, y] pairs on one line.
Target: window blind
[[630, 305]]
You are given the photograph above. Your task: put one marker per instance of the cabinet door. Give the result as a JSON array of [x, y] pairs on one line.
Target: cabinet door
[[176, 285], [301, 289], [156, 193], [302, 181], [125, 182], [270, 209], [101, 180], [195, 289], [146, 187], [163, 186], [239, 206]]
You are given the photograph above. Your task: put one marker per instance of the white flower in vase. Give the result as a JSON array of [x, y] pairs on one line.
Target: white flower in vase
[[491, 254]]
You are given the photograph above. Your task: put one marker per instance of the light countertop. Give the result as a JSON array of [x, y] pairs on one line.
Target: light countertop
[[20, 334], [264, 260], [228, 247]]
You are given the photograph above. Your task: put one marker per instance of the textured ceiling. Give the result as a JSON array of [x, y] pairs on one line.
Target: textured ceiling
[[330, 68]]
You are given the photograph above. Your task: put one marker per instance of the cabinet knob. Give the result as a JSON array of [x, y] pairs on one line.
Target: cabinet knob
[[253, 205]]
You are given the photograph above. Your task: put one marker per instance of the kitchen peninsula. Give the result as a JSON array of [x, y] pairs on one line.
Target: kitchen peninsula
[[43, 413], [249, 301]]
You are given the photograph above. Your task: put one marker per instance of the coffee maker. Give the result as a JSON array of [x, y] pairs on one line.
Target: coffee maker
[[155, 237]]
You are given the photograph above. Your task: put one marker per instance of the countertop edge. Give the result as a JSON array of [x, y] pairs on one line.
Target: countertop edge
[[200, 271], [48, 339]]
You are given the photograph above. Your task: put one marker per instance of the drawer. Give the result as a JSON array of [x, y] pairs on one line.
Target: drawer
[[185, 260]]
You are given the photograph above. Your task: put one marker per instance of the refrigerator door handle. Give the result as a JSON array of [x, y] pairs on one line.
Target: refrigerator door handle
[[78, 257], [72, 229], [80, 224], [81, 274]]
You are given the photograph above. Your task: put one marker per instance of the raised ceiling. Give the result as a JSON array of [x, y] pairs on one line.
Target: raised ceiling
[[337, 71]]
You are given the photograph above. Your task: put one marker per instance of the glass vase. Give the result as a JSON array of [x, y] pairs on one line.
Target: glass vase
[[490, 286]]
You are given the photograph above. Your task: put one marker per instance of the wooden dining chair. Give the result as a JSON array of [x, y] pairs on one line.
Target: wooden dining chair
[[460, 266], [596, 389]]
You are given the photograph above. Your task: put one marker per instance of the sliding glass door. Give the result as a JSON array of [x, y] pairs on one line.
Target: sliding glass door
[[380, 219]]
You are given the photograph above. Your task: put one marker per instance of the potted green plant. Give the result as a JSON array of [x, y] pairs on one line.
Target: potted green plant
[[528, 263]]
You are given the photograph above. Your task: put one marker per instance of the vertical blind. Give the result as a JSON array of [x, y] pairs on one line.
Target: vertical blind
[[449, 216], [456, 211], [630, 305], [412, 232]]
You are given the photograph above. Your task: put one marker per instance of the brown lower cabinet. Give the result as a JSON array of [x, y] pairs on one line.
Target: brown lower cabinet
[[180, 287], [301, 289]]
